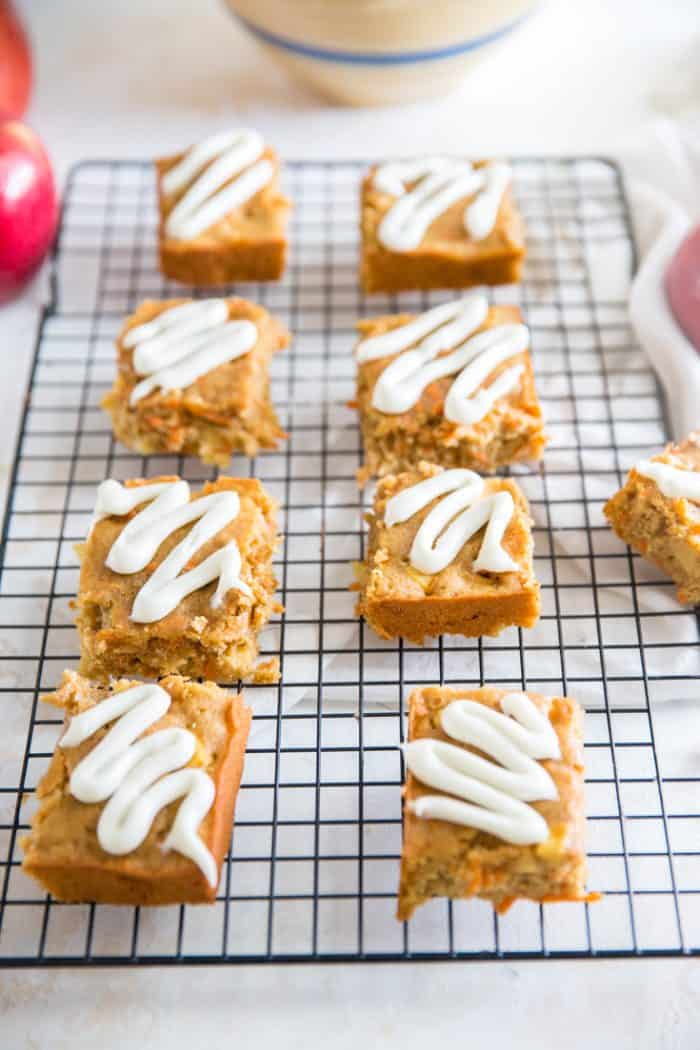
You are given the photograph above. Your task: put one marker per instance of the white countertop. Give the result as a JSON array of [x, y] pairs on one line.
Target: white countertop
[[132, 80]]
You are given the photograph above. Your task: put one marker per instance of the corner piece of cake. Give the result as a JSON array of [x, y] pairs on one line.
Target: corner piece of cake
[[439, 222], [657, 512], [222, 215], [448, 552], [176, 583], [453, 386], [494, 798], [193, 379], [137, 804]]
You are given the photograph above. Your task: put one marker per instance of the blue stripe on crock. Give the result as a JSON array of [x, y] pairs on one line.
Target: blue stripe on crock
[[378, 58]]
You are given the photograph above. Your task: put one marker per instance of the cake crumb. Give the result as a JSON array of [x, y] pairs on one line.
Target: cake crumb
[[267, 672]]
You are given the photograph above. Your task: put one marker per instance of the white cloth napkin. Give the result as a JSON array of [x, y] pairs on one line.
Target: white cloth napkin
[[665, 206]]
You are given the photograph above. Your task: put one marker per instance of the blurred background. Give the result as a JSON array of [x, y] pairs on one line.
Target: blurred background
[[134, 77]]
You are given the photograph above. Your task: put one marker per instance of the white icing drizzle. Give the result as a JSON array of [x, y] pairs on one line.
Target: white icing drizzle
[[491, 796], [170, 509], [211, 196], [470, 312], [671, 481], [184, 343], [401, 384], [141, 777], [481, 214], [439, 183], [458, 516]]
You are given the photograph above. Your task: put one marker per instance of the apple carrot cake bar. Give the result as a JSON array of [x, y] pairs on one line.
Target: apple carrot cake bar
[[448, 552], [439, 222], [657, 512], [137, 804], [494, 798], [193, 379], [222, 215], [454, 386], [176, 583]]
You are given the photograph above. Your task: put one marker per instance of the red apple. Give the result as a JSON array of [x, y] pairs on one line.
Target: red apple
[[15, 64], [683, 286], [28, 206]]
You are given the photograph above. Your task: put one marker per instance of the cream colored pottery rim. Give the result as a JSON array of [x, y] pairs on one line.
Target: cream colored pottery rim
[[377, 31]]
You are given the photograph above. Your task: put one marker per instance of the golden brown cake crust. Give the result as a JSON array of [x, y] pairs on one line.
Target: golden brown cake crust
[[227, 410], [512, 430], [248, 244], [665, 531], [195, 639], [397, 601], [62, 851], [447, 257], [440, 859]]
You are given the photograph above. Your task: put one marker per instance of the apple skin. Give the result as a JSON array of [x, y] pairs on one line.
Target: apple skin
[[28, 206], [15, 64], [683, 286]]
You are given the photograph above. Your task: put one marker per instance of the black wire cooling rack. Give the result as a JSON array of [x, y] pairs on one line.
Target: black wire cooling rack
[[313, 867]]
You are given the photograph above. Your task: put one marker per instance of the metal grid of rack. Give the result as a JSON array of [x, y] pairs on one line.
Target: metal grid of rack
[[313, 866]]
